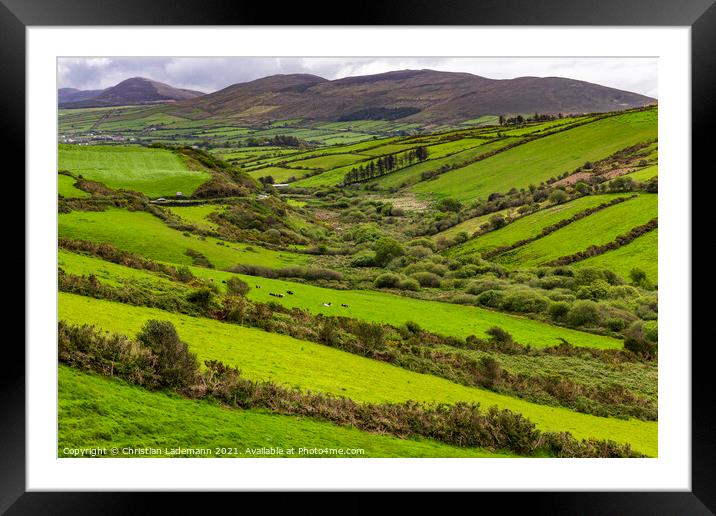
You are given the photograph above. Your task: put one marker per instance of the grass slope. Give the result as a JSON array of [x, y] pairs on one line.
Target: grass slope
[[541, 159], [643, 253], [66, 187], [530, 225], [306, 365], [154, 172], [101, 412], [597, 229], [444, 318], [142, 233]]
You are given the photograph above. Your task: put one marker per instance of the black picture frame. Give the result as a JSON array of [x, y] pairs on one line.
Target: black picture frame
[[700, 15]]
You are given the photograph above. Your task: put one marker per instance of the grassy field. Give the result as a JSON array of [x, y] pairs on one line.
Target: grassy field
[[197, 215], [597, 229], [530, 225], [413, 173], [66, 187], [306, 365], [154, 172], [279, 174], [407, 174], [443, 318], [89, 406], [327, 162], [645, 173], [543, 158], [142, 233], [643, 253]]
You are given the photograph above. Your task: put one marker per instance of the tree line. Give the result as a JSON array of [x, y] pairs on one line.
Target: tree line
[[385, 165]]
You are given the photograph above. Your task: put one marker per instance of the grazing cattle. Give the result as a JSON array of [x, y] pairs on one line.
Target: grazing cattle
[[258, 286], [275, 295], [289, 292], [344, 305], [326, 304], [223, 281]]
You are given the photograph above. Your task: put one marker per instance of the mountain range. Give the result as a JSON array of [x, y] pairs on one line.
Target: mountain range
[[412, 96]]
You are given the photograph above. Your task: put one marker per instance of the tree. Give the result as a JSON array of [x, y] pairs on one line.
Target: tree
[[421, 153]]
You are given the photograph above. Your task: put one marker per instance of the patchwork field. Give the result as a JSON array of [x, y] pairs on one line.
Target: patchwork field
[[543, 158], [306, 365], [531, 225], [365, 289], [154, 172], [597, 229]]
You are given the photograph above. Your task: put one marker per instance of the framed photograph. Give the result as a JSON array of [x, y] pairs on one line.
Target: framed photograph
[[442, 249]]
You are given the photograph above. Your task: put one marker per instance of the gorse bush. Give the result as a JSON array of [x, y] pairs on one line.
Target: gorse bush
[[175, 365]]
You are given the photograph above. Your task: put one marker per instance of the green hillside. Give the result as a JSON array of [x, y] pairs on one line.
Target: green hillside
[[543, 158], [154, 172], [269, 356]]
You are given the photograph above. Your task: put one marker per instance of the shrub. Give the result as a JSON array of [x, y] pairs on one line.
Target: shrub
[[199, 259], [637, 342], [461, 237], [558, 310], [385, 250], [427, 279], [497, 221], [615, 324], [584, 313], [237, 287], [558, 196], [478, 286], [175, 365], [184, 274], [524, 301], [203, 298], [387, 280], [600, 289], [491, 298], [448, 204], [409, 284], [363, 259]]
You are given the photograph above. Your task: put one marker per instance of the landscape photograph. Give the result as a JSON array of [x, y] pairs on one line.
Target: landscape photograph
[[360, 257]]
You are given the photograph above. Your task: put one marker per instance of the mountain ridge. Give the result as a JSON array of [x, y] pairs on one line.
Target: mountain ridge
[[132, 91]]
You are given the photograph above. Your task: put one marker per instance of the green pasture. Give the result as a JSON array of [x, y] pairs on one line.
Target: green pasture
[[269, 356], [645, 174], [142, 233], [89, 406], [596, 229], [327, 162], [543, 158], [642, 252], [439, 317], [66, 187], [530, 225], [413, 173], [154, 172]]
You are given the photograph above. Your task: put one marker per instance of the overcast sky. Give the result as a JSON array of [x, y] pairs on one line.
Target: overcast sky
[[209, 74]]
